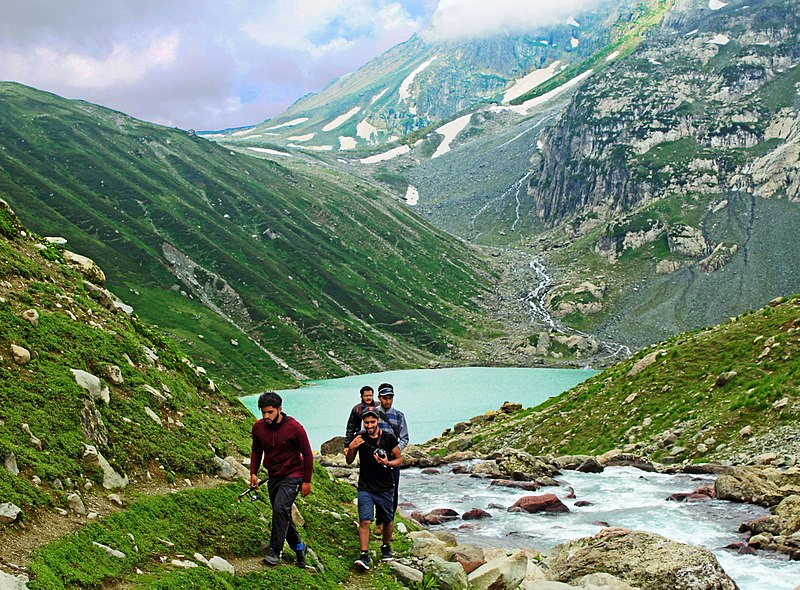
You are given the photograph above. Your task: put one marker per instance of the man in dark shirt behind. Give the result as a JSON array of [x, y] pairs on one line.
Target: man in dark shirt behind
[[377, 452], [354, 420], [283, 443]]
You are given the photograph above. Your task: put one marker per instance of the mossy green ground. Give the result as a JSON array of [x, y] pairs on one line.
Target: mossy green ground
[[210, 522]]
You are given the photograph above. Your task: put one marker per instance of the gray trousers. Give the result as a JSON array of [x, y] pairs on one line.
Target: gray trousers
[[282, 493]]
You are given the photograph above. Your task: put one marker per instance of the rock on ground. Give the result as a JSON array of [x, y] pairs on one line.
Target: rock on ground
[[641, 559]]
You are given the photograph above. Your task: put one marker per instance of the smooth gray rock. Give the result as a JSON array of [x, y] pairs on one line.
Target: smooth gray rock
[[93, 385], [11, 582], [112, 552], [449, 575], [406, 573], [11, 464], [9, 512], [221, 565]]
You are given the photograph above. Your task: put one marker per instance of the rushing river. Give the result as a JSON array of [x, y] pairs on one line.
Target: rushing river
[[432, 399], [620, 496]]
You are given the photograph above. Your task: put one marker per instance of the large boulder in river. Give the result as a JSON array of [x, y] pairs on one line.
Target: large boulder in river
[[640, 558], [520, 465], [543, 503], [765, 486]]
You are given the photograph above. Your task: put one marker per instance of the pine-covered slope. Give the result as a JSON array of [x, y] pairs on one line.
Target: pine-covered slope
[[267, 274]]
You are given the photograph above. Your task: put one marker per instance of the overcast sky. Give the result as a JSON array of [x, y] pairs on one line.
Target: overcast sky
[[212, 64]]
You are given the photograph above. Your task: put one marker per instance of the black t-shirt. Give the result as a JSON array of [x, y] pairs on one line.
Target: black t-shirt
[[372, 476]]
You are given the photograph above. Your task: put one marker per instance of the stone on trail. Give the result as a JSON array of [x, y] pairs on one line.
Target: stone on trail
[[504, 572], [12, 582], [448, 575], [9, 512], [406, 573], [221, 565]]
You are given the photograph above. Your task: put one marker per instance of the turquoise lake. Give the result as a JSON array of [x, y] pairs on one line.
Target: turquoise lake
[[432, 399]]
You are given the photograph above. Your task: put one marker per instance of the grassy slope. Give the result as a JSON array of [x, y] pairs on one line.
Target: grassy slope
[[349, 261], [678, 393], [44, 395], [212, 523]]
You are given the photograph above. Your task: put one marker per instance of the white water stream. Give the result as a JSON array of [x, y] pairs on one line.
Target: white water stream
[[620, 496], [534, 302]]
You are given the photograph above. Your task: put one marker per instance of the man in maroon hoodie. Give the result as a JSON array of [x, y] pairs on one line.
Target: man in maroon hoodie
[[283, 443]]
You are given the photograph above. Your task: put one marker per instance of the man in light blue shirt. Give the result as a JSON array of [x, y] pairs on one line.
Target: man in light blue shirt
[[394, 422]]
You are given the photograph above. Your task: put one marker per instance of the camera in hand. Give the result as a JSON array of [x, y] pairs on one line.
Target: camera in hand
[[380, 453]]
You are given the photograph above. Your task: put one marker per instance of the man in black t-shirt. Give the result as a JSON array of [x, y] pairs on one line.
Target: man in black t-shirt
[[377, 452]]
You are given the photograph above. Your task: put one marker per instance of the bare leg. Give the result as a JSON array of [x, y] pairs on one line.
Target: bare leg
[[387, 532], [363, 534]]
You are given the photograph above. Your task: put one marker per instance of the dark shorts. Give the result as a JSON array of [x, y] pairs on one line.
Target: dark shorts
[[376, 503]]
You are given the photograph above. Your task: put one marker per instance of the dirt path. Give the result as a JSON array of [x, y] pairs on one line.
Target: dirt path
[[18, 542]]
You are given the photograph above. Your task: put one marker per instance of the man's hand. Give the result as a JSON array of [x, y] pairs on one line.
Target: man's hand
[[356, 442], [253, 480], [305, 489]]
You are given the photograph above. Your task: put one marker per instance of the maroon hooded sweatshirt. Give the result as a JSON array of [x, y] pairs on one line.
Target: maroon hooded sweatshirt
[[284, 447]]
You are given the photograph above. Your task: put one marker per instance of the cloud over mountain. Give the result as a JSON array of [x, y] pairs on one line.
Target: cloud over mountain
[[468, 19]]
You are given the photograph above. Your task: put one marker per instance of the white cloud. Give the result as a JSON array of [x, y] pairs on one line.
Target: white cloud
[[319, 27], [467, 19], [123, 65]]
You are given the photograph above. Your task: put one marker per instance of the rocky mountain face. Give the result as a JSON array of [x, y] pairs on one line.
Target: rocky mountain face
[[707, 105], [675, 168], [425, 81]]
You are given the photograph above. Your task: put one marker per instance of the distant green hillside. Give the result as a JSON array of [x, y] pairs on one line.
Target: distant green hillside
[[712, 394], [309, 272]]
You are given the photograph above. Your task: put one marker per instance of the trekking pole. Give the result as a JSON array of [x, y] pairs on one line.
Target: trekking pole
[[251, 492]]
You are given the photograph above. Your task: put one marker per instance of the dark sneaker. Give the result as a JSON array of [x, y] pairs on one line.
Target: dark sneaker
[[301, 555], [272, 558], [363, 561], [386, 552]]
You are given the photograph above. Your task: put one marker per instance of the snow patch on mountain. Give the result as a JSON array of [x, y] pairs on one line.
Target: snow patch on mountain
[[365, 130], [531, 81], [291, 123], [341, 119], [377, 96], [412, 195], [405, 85], [306, 137], [716, 4], [574, 42], [347, 143], [720, 39], [312, 148], [523, 108], [611, 56], [448, 131], [392, 153], [261, 150], [572, 21]]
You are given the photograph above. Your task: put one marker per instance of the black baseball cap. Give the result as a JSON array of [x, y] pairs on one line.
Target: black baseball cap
[[370, 413]]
